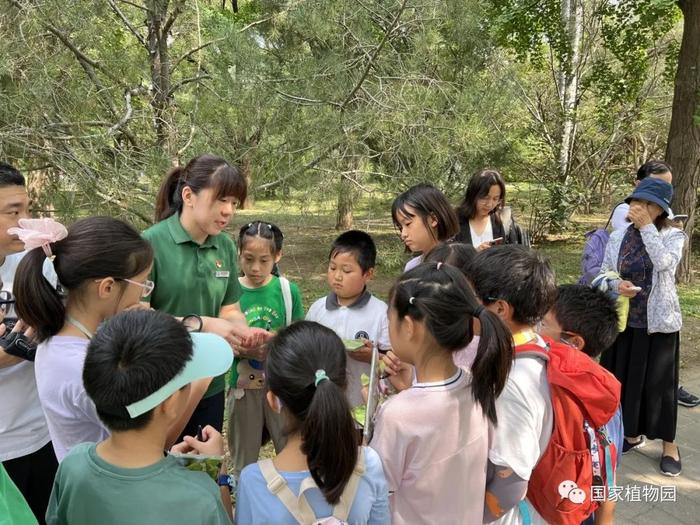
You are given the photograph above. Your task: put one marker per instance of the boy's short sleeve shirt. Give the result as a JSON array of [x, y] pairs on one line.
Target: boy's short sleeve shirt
[[525, 423], [365, 319], [88, 490], [191, 278]]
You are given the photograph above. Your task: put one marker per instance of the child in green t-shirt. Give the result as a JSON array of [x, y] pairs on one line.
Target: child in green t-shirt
[[138, 372], [269, 302]]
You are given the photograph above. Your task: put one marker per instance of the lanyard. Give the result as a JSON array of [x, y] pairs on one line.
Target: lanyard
[[80, 326]]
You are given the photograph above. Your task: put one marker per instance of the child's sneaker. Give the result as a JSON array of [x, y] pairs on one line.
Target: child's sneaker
[[687, 399]]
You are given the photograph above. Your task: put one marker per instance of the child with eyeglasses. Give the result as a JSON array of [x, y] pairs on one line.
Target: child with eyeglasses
[[102, 265]]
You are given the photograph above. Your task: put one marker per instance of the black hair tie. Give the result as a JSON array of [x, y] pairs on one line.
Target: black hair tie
[[479, 310]]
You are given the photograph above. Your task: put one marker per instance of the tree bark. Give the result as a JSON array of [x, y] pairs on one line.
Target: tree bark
[[346, 200], [683, 147]]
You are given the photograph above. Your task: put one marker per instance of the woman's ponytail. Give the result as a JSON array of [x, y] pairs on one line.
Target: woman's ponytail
[[330, 440], [494, 357], [305, 369], [169, 199], [37, 302]]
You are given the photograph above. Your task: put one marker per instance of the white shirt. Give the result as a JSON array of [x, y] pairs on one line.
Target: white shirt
[[525, 424], [367, 320], [23, 428], [486, 235], [619, 217], [70, 413]]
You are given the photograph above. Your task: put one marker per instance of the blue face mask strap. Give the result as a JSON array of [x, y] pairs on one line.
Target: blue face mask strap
[[525, 512]]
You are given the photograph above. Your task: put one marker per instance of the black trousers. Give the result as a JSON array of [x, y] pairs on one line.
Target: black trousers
[[647, 366], [209, 411], [33, 474]]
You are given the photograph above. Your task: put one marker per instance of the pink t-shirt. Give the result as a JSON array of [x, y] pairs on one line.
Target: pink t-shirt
[[465, 357], [433, 441]]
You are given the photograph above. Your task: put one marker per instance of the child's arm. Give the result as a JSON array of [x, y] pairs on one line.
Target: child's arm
[[197, 390], [605, 515], [504, 490]]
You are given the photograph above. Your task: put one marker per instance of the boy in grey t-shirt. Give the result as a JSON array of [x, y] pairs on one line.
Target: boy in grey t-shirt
[[138, 371]]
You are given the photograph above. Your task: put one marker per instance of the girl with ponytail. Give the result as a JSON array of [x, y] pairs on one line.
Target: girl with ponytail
[[433, 438], [102, 265], [306, 377]]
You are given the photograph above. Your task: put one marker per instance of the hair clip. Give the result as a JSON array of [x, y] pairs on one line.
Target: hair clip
[[269, 226], [439, 265], [250, 225], [412, 300]]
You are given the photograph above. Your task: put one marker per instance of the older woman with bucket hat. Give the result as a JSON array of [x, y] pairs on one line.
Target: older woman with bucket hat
[[645, 356]]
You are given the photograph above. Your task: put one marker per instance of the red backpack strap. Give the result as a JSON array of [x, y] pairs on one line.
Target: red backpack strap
[[532, 350]]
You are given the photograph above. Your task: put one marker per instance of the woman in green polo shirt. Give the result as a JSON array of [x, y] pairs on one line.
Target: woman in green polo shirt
[[195, 271]]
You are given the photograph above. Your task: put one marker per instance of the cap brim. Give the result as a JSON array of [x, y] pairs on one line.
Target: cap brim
[[649, 197], [211, 356]]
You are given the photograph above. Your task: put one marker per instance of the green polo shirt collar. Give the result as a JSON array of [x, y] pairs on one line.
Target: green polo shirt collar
[[180, 235]]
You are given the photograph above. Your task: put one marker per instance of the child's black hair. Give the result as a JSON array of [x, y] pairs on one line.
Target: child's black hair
[[589, 313], [320, 413], [455, 254], [10, 176], [358, 243], [428, 202], [200, 173], [518, 275], [439, 296], [132, 355], [264, 230], [95, 248]]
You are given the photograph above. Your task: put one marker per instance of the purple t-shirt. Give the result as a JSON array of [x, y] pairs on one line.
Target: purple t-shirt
[[69, 412]]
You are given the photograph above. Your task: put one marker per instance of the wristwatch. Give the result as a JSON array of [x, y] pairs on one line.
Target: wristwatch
[[193, 323], [228, 481]]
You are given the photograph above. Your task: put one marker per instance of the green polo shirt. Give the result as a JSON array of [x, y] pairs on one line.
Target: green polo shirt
[[192, 278]]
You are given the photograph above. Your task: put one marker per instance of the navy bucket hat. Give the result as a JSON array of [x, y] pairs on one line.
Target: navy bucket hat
[[653, 190]]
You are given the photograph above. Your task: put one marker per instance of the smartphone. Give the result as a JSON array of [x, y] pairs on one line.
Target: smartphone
[[636, 288], [498, 240]]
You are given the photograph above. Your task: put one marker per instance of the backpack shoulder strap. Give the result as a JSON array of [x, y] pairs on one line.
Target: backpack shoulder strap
[[298, 507], [342, 510], [287, 297]]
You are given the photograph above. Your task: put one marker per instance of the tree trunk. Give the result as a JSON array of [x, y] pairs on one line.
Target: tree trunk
[[683, 147], [346, 199], [159, 60]]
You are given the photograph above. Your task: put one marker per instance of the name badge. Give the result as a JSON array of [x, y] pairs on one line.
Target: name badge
[[221, 273]]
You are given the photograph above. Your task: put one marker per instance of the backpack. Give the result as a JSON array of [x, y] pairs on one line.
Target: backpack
[[594, 252], [571, 477], [287, 297], [521, 235], [299, 506]]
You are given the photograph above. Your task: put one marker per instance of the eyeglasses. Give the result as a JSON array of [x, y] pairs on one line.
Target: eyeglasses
[[491, 200], [147, 285]]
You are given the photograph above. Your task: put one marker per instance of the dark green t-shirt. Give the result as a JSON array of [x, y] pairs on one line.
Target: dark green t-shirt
[[89, 491], [264, 308], [192, 278]]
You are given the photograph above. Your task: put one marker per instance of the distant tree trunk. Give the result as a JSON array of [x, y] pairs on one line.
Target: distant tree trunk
[[346, 200], [683, 147], [572, 22]]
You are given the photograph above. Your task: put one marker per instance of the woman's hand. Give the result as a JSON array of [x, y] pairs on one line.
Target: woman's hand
[[628, 289], [484, 246], [639, 215]]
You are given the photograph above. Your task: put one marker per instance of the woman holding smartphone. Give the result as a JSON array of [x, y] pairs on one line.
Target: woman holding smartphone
[[484, 221], [645, 356]]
